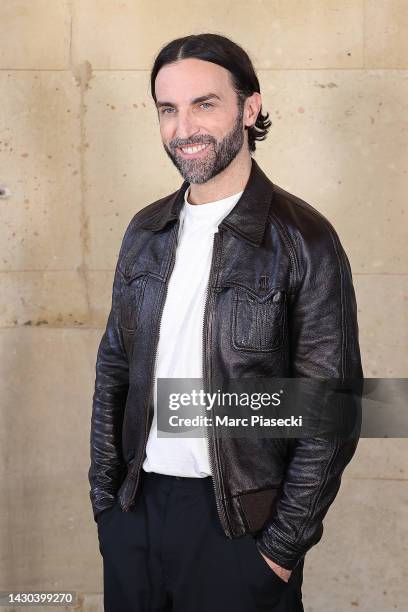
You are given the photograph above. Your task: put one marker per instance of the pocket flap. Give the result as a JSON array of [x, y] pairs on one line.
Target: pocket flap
[[275, 295]]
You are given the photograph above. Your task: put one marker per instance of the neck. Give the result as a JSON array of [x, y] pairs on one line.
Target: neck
[[228, 182]]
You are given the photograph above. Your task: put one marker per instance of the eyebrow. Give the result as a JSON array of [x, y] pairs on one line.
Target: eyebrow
[[208, 96]]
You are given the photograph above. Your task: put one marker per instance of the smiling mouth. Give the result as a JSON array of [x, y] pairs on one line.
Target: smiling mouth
[[193, 149]]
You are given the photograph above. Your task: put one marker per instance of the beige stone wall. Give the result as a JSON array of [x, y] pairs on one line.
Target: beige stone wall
[[80, 153]]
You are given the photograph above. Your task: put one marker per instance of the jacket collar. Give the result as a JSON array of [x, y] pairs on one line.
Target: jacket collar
[[247, 219]]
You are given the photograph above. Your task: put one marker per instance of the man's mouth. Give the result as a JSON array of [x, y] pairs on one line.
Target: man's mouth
[[193, 150]]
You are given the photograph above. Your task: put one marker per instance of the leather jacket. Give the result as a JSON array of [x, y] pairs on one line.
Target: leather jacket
[[273, 254]]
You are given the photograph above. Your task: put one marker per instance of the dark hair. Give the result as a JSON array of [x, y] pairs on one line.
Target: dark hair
[[224, 52]]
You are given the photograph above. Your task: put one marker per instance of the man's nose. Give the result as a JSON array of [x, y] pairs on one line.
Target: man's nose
[[186, 126]]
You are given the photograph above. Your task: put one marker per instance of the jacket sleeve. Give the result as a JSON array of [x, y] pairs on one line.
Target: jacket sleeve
[[107, 467], [324, 345]]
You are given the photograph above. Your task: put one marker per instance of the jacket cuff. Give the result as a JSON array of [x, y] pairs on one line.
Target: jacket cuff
[[278, 550], [101, 502]]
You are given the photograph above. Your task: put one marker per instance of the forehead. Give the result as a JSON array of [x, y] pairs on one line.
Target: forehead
[[191, 77]]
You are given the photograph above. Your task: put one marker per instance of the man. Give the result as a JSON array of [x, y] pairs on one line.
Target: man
[[230, 275]]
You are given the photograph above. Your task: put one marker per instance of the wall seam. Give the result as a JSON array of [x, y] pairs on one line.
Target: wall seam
[[82, 74]]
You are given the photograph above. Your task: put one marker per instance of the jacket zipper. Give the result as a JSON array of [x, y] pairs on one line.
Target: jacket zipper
[[212, 454], [135, 475]]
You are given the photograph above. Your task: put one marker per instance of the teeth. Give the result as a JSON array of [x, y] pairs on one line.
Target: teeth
[[193, 149]]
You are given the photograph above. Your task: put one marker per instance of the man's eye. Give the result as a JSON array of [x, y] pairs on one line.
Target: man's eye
[[164, 111]]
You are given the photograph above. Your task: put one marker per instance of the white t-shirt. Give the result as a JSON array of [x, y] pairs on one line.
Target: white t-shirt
[[179, 352]]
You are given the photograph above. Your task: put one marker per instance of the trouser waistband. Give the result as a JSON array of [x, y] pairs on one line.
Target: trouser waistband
[[189, 481]]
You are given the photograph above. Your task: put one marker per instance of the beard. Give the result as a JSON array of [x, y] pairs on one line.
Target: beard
[[216, 158]]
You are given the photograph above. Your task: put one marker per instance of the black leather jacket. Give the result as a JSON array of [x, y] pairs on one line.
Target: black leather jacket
[[286, 256]]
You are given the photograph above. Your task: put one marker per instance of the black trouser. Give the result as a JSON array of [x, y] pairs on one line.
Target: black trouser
[[170, 553]]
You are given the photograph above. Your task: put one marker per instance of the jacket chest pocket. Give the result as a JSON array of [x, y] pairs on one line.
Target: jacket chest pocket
[[258, 321], [130, 302]]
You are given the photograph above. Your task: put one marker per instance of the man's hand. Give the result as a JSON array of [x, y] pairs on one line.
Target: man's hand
[[281, 571]]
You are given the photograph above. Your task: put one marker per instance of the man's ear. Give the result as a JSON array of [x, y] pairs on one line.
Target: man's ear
[[253, 105]]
